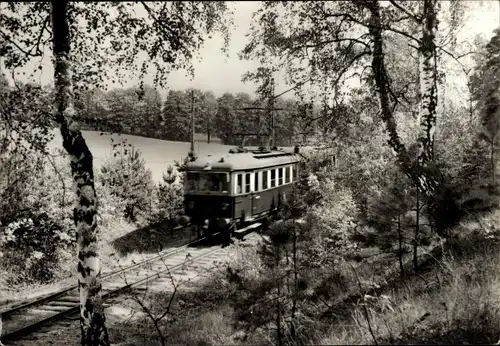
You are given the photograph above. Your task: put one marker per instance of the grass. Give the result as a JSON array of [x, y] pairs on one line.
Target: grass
[[454, 301], [157, 153]]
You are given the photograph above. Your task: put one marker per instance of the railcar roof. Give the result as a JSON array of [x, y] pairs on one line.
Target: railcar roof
[[240, 161]]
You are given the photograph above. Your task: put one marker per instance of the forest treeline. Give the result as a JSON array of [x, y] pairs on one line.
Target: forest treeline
[[133, 110]]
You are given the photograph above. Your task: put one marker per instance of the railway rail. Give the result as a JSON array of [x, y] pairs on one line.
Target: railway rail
[[21, 320]]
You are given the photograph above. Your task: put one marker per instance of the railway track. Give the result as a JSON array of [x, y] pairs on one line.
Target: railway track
[[24, 319]]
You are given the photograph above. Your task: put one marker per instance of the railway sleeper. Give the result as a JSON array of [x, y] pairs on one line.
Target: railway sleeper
[[50, 307], [240, 233], [141, 288], [69, 299], [63, 303], [108, 289], [26, 317]]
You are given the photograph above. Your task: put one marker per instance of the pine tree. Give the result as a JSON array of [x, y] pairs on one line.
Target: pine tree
[[129, 179], [170, 194]]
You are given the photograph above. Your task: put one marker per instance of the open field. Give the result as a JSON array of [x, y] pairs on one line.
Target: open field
[[157, 153]]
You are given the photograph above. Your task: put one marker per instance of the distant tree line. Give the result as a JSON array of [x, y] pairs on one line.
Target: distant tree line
[[141, 111]]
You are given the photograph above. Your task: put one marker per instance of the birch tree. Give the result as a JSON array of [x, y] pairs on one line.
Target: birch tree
[[422, 177], [428, 82], [92, 319], [168, 33]]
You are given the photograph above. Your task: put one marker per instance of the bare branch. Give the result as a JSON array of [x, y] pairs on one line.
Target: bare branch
[[293, 88], [400, 19], [353, 60], [402, 33], [338, 40], [37, 45], [415, 17], [27, 53], [367, 25]]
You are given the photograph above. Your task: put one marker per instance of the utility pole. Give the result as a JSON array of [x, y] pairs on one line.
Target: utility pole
[[273, 134], [269, 111], [270, 124], [192, 153]]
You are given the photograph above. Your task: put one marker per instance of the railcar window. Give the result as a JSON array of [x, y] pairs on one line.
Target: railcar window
[[295, 173], [192, 181], [204, 182], [264, 180], [239, 188], [247, 182], [280, 176], [256, 181], [287, 174], [273, 178]]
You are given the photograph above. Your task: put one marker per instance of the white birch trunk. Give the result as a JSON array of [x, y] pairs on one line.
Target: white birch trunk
[[92, 319], [428, 81]]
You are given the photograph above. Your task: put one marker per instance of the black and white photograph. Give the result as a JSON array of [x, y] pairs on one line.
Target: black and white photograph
[[246, 173]]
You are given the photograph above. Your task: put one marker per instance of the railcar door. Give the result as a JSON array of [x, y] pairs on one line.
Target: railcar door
[[249, 196], [256, 194], [243, 198]]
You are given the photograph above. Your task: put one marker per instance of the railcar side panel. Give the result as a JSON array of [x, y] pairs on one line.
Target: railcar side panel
[[261, 191]]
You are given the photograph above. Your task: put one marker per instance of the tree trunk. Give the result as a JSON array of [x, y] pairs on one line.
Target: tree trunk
[[382, 85], [92, 319], [278, 305], [295, 281], [425, 182], [428, 82], [400, 248], [492, 160], [378, 66], [417, 229], [208, 131]]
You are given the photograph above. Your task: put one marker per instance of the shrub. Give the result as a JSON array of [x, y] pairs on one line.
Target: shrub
[[128, 179], [110, 206], [332, 225], [170, 194], [36, 230], [34, 241]]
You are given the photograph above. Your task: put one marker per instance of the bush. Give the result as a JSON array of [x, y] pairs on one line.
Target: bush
[[36, 231], [109, 205], [31, 244], [170, 195], [127, 178], [332, 225]]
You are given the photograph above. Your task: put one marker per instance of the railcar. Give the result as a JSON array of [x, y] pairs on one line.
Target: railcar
[[243, 187]]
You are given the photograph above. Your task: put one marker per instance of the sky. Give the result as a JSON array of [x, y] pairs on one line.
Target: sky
[[220, 74], [214, 71]]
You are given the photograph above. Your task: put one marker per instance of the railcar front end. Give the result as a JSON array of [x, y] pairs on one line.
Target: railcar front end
[[207, 199]]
